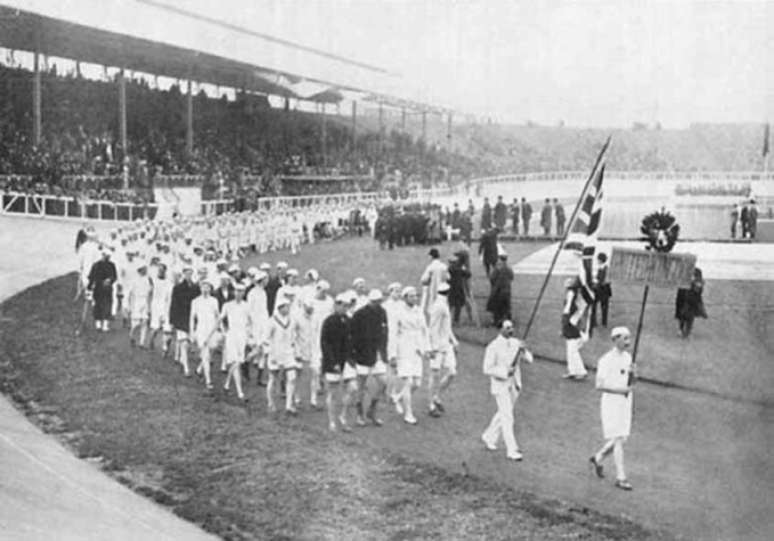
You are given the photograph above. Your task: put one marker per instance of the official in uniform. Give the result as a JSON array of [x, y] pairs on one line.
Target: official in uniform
[[369, 347], [502, 363], [102, 276]]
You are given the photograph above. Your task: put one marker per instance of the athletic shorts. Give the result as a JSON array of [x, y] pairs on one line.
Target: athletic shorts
[[444, 360], [349, 373], [181, 335], [159, 322], [378, 369], [136, 321]]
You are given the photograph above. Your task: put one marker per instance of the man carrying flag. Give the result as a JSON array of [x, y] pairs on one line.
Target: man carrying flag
[[579, 291]]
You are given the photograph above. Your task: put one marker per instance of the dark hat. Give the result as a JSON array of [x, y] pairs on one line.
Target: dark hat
[[434, 252]]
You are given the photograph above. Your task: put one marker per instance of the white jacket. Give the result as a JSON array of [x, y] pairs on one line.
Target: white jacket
[[499, 363]]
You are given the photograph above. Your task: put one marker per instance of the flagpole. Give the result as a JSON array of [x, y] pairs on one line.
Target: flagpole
[[564, 237]]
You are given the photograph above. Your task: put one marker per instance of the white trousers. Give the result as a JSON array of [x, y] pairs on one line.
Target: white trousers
[[574, 361], [502, 422]]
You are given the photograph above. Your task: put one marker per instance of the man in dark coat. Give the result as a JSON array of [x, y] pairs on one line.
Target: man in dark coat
[[545, 217], [487, 248], [560, 218], [745, 221], [486, 215], [102, 276], [515, 212], [183, 294], [500, 213], [526, 215], [459, 274], [369, 349], [276, 281], [499, 303], [455, 216], [602, 293], [338, 366]]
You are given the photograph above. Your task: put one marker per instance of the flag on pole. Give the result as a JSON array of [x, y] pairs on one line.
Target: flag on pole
[[766, 136], [583, 233]]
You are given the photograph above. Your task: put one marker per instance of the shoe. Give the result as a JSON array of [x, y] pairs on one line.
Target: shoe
[[435, 412], [489, 446], [292, 412], [517, 456], [410, 420], [598, 468], [316, 407], [439, 406], [359, 421], [345, 427], [623, 484], [375, 420], [332, 427]]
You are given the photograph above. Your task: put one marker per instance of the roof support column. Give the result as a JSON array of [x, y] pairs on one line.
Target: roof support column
[[122, 123], [449, 132], [189, 133], [37, 123], [324, 135], [424, 126], [381, 127], [403, 119], [354, 125]]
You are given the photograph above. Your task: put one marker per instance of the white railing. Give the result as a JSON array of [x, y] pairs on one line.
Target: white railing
[[69, 208]]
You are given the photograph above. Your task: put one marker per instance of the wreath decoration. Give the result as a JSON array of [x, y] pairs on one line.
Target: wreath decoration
[[660, 230]]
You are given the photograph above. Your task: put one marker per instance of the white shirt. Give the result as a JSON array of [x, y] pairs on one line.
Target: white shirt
[[162, 295], [259, 312], [139, 297], [498, 362], [204, 314], [613, 369], [237, 318], [441, 336], [435, 273]]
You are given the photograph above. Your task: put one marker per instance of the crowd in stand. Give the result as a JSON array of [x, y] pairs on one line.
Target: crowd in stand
[[233, 140]]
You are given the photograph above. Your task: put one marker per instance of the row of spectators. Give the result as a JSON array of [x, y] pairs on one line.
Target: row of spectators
[[233, 140]]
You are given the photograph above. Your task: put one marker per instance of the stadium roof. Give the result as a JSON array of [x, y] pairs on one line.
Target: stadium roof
[[160, 39]]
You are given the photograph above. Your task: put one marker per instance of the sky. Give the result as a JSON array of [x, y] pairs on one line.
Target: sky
[[586, 63]]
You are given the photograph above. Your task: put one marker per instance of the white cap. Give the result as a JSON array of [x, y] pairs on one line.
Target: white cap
[[234, 268], [350, 295], [342, 298], [408, 290], [375, 295], [323, 285], [282, 301], [292, 272], [619, 331], [312, 274], [253, 271], [264, 267], [240, 286], [260, 275], [282, 265], [358, 282], [443, 287], [394, 286]]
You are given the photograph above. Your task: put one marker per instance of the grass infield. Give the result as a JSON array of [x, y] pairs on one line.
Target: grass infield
[[243, 474]]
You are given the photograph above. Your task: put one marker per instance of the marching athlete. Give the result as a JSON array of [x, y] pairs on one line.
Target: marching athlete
[[235, 317], [443, 344], [204, 328], [138, 302], [615, 374], [369, 346]]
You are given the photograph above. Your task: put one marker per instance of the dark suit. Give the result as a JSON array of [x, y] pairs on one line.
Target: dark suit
[[183, 295], [488, 248], [369, 334], [102, 276]]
